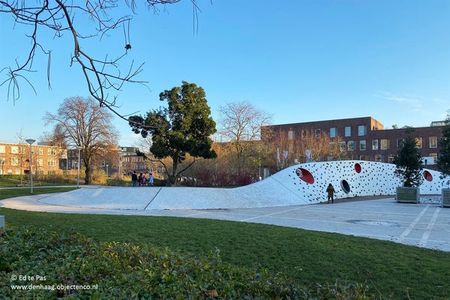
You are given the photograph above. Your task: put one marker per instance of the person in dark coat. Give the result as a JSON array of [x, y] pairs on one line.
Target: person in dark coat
[[330, 192], [134, 178]]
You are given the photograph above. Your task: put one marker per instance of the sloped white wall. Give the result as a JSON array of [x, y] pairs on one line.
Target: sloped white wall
[[281, 189], [374, 179]]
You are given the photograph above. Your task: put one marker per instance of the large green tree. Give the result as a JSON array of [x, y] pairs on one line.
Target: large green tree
[[443, 161], [409, 162], [183, 127]]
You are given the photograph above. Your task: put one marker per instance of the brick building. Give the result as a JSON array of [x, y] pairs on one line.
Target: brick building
[[362, 138], [46, 160]]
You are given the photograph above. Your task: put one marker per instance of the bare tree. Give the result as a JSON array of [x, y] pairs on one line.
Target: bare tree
[[240, 125], [306, 145], [104, 76], [87, 126]]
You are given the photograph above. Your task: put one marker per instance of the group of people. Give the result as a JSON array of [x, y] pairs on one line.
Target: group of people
[[142, 179]]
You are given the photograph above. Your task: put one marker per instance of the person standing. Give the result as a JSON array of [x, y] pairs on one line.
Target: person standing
[[134, 178], [150, 178], [330, 192]]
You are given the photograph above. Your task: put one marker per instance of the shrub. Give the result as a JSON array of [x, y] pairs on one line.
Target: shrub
[[126, 271]]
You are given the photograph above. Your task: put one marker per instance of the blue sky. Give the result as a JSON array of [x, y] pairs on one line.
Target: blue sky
[[297, 60]]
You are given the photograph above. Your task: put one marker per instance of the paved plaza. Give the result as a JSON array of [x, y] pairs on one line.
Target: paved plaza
[[423, 225]]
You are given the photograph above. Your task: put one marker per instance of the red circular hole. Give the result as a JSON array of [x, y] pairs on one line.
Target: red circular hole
[[305, 175], [427, 175], [358, 168]]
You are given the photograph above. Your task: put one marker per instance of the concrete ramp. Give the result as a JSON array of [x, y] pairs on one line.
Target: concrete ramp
[[296, 185]]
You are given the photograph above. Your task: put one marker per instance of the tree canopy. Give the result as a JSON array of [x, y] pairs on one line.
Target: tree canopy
[[183, 127], [443, 161], [85, 125], [409, 162]]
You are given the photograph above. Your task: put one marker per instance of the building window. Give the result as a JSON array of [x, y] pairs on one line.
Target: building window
[[303, 133], [362, 145], [379, 157], [342, 146], [384, 144], [351, 145], [362, 130], [391, 158], [2, 149], [348, 131], [40, 162], [14, 149], [433, 142], [317, 133], [41, 151], [374, 144], [14, 161], [290, 135], [419, 142], [333, 132], [51, 163]]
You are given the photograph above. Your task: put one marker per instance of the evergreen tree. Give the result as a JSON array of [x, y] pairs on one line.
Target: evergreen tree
[[443, 161], [184, 127], [409, 162]]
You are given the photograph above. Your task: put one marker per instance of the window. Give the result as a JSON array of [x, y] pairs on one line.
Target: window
[[51, 163], [14, 161], [317, 133], [379, 157], [433, 142], [351, 145], [342, 146], [391, 158], [41, 151], [374, 144], [333, 132], [51, 151], [362, 130], [303, 133], [419, 142], [348, 131], [14, 149], [2, 149], [40, 162], [384, 144], [290, 135], [362, 145]]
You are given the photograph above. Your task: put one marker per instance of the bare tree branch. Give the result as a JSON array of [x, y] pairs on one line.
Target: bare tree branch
[[103, 77]]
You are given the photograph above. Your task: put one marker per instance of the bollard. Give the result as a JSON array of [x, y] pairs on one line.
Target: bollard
[[2, 223]]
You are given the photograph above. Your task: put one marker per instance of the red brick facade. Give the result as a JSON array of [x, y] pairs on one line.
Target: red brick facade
[[365, 138]]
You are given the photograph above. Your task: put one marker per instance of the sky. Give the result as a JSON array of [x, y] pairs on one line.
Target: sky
[[298, 60]]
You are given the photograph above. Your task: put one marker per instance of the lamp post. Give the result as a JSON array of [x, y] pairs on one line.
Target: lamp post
[[78, 165], [107, 170], [31, 141]]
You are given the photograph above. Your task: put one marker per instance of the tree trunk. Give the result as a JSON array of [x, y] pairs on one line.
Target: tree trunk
[[87, 172]]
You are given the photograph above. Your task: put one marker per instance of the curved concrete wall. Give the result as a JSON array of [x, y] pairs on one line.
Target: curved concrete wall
[[296, 185]]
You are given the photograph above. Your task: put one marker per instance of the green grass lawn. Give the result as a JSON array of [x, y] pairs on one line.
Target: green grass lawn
[[390, 269], [10, 193]]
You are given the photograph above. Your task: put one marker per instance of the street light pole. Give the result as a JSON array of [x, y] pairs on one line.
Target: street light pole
[[78, 165], [31, 141]]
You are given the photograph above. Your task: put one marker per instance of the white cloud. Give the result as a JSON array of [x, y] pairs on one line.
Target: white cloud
[[416, 103]]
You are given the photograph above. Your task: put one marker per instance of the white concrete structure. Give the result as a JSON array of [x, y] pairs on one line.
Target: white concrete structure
[[297, 185]]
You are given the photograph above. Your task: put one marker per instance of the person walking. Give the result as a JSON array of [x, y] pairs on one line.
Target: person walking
[[330, 192]]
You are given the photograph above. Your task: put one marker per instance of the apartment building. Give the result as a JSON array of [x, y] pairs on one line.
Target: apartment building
[[46, 160], [361, 138]]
